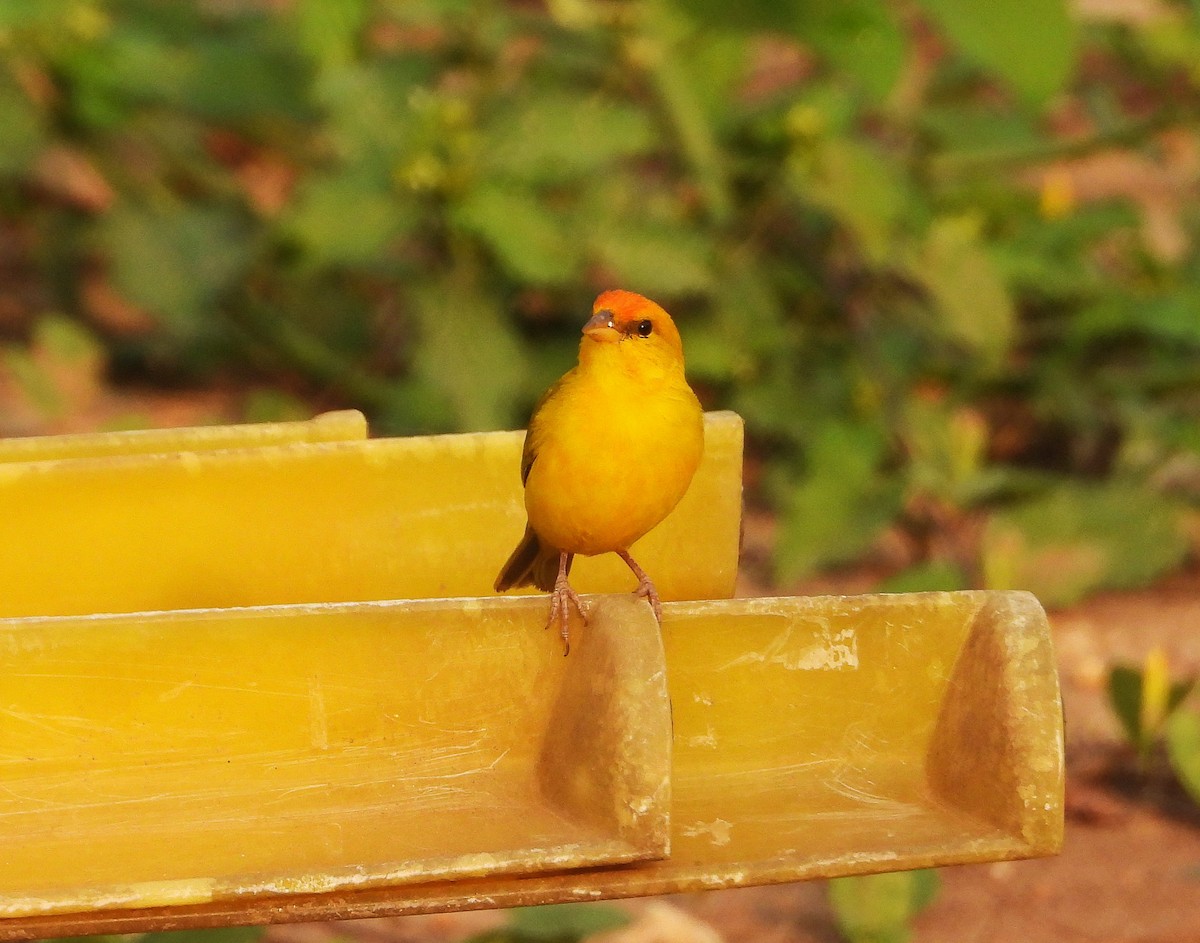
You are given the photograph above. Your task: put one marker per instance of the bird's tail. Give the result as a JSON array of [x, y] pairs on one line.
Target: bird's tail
[[531, 564]]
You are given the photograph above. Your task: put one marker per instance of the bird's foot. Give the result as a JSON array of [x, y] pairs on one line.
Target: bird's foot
[[561, 601], [646, 590]]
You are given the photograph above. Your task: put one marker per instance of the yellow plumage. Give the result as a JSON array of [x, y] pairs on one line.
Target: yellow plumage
[[611, 449]]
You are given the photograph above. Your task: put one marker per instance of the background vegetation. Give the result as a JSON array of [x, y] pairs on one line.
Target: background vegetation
[[940, 255]]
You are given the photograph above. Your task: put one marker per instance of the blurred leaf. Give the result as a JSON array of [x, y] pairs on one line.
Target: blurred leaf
[[175, 263], [1125, 695], [946, 449], [1079, 538], [20, 129], [860, 37], [470, 353], [370, 117], [768, 15], [555, 922], [973, 303], [878, 908], [1183, 749], [15, 14], [747, 325], [841, 504], [328, 29], [716, 62], [274, 406], [555, 137], [1145, 700], [1030, 43], [1170, 317], [527, 239], [242, 76], [967, 129], [861, 189], [348, 219], [658, 260], [220, 935], [932, 576]]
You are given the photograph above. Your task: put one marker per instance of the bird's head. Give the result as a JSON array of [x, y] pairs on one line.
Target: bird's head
[[626, 318]]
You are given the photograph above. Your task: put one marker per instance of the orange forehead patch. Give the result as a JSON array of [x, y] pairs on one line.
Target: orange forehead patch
[[626, 305]]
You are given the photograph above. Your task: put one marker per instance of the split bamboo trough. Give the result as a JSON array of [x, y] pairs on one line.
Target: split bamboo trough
[[256, 674]]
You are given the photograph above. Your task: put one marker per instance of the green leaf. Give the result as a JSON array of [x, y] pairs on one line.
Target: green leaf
[[556, 137], [556, 922], [368, 110], [531, 242], [328, 29], [175, 263], [348, 219], [861, 38], [21, 134], [1183, 749], [660, 260], [840, 506], [17, 14], [946, 449], [863, 191], [754, 15], [1029, 43], [932, 576], [1170, 318], [470, 353], [221, 935], [242, 76], [1080, 538], [973, 303], [878, 908], [1125, 696]]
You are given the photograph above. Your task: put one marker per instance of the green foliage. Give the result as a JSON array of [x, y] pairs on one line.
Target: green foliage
[[1183, 749], [1078, 538], [1145, 701], [555, 923], [862, 215], [879, 908], [222, 935], [1031, 43]]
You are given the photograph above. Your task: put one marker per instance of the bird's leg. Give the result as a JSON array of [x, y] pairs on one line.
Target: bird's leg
[[645, 586], [561, 600]]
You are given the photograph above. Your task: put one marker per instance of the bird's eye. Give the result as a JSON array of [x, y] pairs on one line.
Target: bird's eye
[[644, 327]]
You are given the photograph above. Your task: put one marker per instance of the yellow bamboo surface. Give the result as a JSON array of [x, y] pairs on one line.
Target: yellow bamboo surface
[[343, 425], [415, 517], [191, 757], [811, 737]]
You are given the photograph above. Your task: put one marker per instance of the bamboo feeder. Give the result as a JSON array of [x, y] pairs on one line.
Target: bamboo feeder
[[326, 715]]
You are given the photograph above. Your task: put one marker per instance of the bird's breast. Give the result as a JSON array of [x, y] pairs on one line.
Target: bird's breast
[[611, 464]]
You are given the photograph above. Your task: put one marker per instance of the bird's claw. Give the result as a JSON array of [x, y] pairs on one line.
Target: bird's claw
[[560, 611], [646, 590]]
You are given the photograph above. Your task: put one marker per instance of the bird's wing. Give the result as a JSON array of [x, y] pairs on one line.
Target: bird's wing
[[537, 428]]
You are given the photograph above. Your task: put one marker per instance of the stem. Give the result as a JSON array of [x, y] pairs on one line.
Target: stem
[[990, 161], [320, 361]]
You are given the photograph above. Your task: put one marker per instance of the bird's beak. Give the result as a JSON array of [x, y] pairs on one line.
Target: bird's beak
[[601, 327]]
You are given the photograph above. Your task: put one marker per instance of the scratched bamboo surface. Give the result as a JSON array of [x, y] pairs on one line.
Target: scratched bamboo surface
[[420, 517], [811, 737], [330, 716], [340, 426]]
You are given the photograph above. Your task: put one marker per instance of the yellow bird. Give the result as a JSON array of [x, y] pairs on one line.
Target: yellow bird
[[611, 449]]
